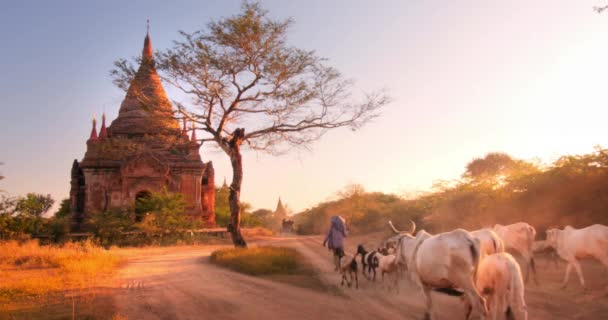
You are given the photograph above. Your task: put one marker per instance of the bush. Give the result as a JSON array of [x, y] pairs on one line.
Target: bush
[[164, 214], [109, 226]]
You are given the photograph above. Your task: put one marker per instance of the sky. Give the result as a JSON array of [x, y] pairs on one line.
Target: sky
[[466, 77]]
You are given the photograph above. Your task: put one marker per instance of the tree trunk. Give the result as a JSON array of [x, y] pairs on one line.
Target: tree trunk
[[235, 188]]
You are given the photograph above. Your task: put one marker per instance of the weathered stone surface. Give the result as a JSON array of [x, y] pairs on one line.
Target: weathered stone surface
[[143, 150]]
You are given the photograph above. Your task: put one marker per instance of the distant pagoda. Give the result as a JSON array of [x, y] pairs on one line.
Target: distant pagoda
[[142, 151], [280, 211]]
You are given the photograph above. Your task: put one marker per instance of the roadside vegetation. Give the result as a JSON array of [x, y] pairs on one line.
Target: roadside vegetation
[[279, 264], [257, 261]]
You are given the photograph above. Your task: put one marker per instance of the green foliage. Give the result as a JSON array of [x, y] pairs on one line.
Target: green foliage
[[21, 217], [257, 261], [57, 227], [64, 209], [108, 226], [222, 206], [164, 213], [34, 204], [222, 210]]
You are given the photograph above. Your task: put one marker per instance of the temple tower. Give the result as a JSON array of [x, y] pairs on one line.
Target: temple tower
[[143, 150]]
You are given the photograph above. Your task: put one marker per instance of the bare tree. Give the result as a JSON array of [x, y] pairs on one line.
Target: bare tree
[[600, 9], [248, 88]]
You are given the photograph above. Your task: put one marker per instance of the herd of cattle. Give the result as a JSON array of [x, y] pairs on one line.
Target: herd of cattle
[[475, 265]]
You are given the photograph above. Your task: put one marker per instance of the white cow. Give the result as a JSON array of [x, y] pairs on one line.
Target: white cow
[[405, 244], [573, 244], [489, 242], [519, 238], [442, 262], [500, 282]]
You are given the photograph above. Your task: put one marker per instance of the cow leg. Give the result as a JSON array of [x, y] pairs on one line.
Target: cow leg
[[533, 268], [567, 277], [529, 267], [466, 283], [397, 281], [577, 266], [429, 314], [604, 261]]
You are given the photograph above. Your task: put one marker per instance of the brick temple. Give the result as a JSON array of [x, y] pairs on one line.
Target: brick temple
[[143, 150]]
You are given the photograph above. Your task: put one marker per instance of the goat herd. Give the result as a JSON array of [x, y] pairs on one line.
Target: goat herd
[[475, 265]]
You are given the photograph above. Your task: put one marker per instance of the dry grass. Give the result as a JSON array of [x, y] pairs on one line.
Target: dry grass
[[38, 282], [257, 261]]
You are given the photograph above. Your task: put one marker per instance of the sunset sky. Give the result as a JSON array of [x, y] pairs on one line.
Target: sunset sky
[[467, 77]]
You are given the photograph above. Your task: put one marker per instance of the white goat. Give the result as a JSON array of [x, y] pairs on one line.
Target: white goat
[[519, 238], [388, 265], [348, 266], [573, 244], [500, 282]]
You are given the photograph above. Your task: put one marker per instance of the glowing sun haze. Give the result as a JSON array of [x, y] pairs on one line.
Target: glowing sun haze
[[468, 77]]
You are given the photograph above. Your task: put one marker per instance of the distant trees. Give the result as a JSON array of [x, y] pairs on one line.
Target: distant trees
[[496, 168], [496, 188], [363, 211], [222, 210], [249, 88]]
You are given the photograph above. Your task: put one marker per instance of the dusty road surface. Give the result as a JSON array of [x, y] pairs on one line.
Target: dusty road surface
[[182, 284]]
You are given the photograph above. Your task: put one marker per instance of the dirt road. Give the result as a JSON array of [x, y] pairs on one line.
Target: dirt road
[[183, 285]]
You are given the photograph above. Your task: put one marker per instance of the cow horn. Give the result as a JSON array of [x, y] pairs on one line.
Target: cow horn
[[390, 223], [413, 227]]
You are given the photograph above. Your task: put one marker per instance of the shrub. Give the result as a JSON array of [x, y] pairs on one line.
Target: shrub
[[109, 226]]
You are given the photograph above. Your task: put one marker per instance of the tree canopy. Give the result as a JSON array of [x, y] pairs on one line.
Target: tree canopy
[[246, 86]]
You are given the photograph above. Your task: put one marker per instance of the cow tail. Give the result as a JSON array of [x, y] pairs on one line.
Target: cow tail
[[532, 237], [474, 246], [532, 264], [517, 286]]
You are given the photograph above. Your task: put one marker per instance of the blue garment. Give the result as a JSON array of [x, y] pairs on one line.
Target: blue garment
[[337, 233]]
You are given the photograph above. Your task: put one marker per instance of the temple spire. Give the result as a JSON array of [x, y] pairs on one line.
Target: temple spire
[[93, 136], [185, 127], [103, 132], [146, 108], [280, 210], [147, 53]]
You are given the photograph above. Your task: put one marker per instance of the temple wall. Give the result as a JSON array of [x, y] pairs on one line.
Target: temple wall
[[102, 190]]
